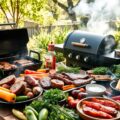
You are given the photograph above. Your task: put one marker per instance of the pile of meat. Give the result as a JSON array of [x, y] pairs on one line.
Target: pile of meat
[[58, 80], [23, 62], [7, 66], [22, 85]]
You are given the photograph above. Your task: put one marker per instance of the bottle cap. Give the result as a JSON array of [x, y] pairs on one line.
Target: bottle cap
[[51, 46]]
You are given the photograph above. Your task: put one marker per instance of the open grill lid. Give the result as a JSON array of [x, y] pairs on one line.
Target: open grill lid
[[86, 42], [13, 42]]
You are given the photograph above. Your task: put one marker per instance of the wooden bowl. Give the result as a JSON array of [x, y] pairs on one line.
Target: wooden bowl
[[87, 117]]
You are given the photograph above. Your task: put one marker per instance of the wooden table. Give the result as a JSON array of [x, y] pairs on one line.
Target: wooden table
[[6, 112]]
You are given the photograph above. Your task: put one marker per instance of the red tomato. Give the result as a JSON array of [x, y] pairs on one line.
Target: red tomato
[[73, 103], [70, 98], [82, 89]]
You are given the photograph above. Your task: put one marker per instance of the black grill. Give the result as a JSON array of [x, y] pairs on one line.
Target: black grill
[[13, 46], [88, 50]]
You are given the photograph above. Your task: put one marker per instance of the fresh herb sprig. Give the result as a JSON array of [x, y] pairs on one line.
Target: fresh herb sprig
[[100, 70], [54, 96]]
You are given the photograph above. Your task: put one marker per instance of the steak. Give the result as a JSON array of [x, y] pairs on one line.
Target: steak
[[80, 82], [45, 82], [17, 88], [8, 80], [55, 83]]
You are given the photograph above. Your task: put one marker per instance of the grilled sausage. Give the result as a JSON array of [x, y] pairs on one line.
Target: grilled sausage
[[31, 81], [8, 80]]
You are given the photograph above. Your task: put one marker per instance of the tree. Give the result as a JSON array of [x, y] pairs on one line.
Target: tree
[[18, 10], [68, 9], [13, 9]]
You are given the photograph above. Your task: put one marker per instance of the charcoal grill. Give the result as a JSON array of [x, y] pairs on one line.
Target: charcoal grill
[[13, 46], [88, 50]]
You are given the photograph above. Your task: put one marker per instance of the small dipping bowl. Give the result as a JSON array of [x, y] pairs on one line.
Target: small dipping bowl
[[95, 89], [114, 90]]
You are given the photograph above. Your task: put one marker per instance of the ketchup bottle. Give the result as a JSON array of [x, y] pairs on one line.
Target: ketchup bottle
[[50, 58]]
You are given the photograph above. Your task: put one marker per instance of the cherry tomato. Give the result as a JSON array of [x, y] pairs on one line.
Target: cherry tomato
[[82, 89], [70, 98], [73, 103]]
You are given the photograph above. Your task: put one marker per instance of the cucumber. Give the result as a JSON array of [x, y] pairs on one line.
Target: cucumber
[[21, 98], [31, 108], [19, 114], [30, 115], [43, 114]]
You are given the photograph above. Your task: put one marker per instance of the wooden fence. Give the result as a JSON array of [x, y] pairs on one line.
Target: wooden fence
[[36, 29]]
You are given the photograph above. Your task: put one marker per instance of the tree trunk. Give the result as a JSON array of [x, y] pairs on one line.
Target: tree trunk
[[73, 19]]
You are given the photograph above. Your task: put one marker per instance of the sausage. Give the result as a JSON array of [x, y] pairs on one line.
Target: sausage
[[8, 80], [31, 81], [18, 88], [55, 83], [45, 82]]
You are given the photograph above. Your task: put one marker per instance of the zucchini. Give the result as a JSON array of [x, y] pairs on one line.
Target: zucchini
[[30, 115], [43, 114], [19, 114], [21, 98], [31, 108]]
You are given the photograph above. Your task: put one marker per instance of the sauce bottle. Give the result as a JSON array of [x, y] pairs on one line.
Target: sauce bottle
[[50, 58]]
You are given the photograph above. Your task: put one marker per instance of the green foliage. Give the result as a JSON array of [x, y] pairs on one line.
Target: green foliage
[[41, 41], [100, 70]]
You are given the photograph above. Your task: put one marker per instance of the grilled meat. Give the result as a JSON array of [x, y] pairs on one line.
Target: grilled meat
[[8, 80], [55, 83], [45, 82]]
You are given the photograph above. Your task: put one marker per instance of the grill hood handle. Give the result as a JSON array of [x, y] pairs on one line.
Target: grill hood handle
[[83, 45], [35, 52]]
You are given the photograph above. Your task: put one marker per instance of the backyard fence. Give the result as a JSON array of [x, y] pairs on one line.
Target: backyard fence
[[34, 29]]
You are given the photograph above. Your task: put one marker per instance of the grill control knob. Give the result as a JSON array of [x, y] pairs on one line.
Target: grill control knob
[[78, 57], [86, 59], [70, 55]]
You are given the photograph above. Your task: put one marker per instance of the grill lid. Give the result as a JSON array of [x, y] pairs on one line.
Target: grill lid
[[89, 43], [13, 42]]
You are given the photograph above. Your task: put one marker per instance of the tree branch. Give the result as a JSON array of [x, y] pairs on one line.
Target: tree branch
[[65, 8]]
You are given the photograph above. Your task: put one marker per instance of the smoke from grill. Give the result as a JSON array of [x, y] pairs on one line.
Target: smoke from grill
[[100, 13]]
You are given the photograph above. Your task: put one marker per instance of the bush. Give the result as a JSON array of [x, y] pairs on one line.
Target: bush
[[41, 41]]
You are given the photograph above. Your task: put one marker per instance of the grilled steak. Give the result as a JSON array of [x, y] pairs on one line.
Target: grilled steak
[[80, 82], [45, 82], [18, 87], [8, 80], [62, 78], [73, 76], [55, 83]]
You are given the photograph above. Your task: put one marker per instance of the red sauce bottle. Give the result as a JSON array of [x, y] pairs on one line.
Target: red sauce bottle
[[50, 58]]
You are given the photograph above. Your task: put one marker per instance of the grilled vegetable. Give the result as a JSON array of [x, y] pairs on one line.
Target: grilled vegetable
[[21, 98], [100, 70], [43, 115], [67, 87], [5, 89], [7, 96], [19, 114]]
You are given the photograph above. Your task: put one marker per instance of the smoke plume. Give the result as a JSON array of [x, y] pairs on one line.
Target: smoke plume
[[100, 12]]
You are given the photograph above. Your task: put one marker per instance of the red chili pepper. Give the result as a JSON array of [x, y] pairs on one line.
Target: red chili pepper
[[31, 72]]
